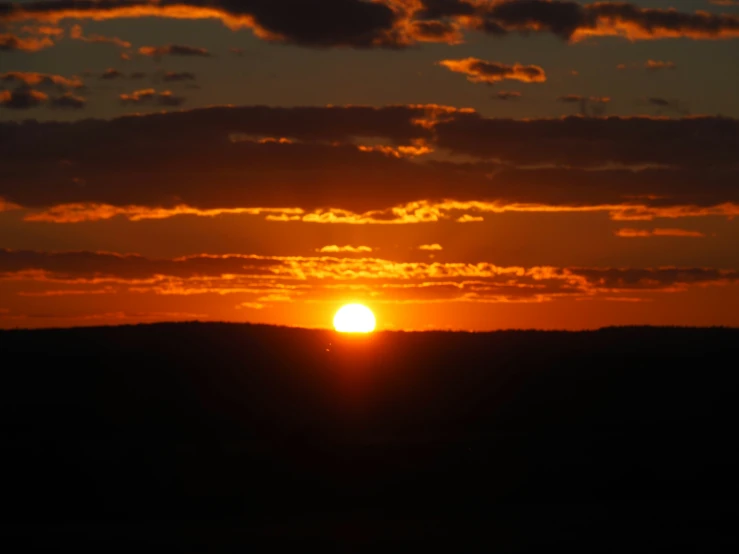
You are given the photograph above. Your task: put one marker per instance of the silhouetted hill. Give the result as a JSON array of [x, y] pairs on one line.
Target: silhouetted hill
[[206, 437]]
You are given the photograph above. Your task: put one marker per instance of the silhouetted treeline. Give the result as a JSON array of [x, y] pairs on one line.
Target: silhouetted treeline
[[212, 436]]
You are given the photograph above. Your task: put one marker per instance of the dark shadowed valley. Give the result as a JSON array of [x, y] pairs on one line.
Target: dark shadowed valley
[[213, 437]]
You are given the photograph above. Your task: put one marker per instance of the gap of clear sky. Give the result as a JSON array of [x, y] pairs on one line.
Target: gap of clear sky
[[461, 164]]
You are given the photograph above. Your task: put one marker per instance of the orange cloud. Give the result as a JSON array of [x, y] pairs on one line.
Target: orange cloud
[[77, 34], [173, 50], [656, 65], [573, 21], [164, 98], [352, 249], [68, 101], [77, 213], [633, 233], [265, 280], [41, 79], [399, 23], [22, 98], [10, 43], [44, 30], [430, 247], [481, 71], [422, 211], [6, 206]]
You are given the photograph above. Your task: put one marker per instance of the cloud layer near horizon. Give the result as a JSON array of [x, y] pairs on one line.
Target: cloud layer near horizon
[[316, 278]]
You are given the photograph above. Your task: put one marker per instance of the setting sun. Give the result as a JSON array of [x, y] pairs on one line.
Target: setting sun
[[354, 318]]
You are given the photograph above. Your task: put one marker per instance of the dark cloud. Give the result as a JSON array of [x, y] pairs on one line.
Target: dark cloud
[[586, 142], [76, 33], [571, 20], [111, 73], [354, 23], [391, 23], [560, 18], [665, 105], [435, 31], [507, 95], [656, 65], [437, 9], [92, 265], [22, 98], [68, 101], [329, 158], [481, 71], [152, 97], [11, 43], [589, 105], [41, 80], [173, 50], [171, 76]]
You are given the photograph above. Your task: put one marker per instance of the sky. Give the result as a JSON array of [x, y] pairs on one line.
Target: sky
[[452, 164]]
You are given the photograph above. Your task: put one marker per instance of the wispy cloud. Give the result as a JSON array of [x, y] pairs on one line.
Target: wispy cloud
[[481, 71]]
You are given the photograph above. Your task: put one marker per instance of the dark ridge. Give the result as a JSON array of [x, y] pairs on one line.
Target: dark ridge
[[214, 437]]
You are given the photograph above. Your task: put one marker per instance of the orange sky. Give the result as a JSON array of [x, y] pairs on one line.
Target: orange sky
[[452, 164]]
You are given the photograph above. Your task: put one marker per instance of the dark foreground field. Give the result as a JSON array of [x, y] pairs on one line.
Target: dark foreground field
[[215, 437]]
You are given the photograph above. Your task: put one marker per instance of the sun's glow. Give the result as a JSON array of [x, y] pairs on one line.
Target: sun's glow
[[354, 318]]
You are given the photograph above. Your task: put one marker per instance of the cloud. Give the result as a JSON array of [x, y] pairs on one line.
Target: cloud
[[329, 23], [573, 21], [41, 80], [640, 233], [435, 31], [172, 76], [6, 206], [398, 23], [589, 105], [151, 96], [22, 98], [267, 279], [43, 30], [480, 71], [691, 141], [111, 73], [650, 65], [77, 213], [672, 105], [430, 247], [68, 101], [227, 160], [352, 249], [173, 50], [656, 65], [508, 95], [569, 98], [11, 43], [76, 33]]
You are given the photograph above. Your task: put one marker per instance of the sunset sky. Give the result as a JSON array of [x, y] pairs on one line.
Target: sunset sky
[[452, 164]]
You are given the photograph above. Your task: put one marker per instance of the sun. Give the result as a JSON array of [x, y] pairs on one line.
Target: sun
[[354, 318]]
